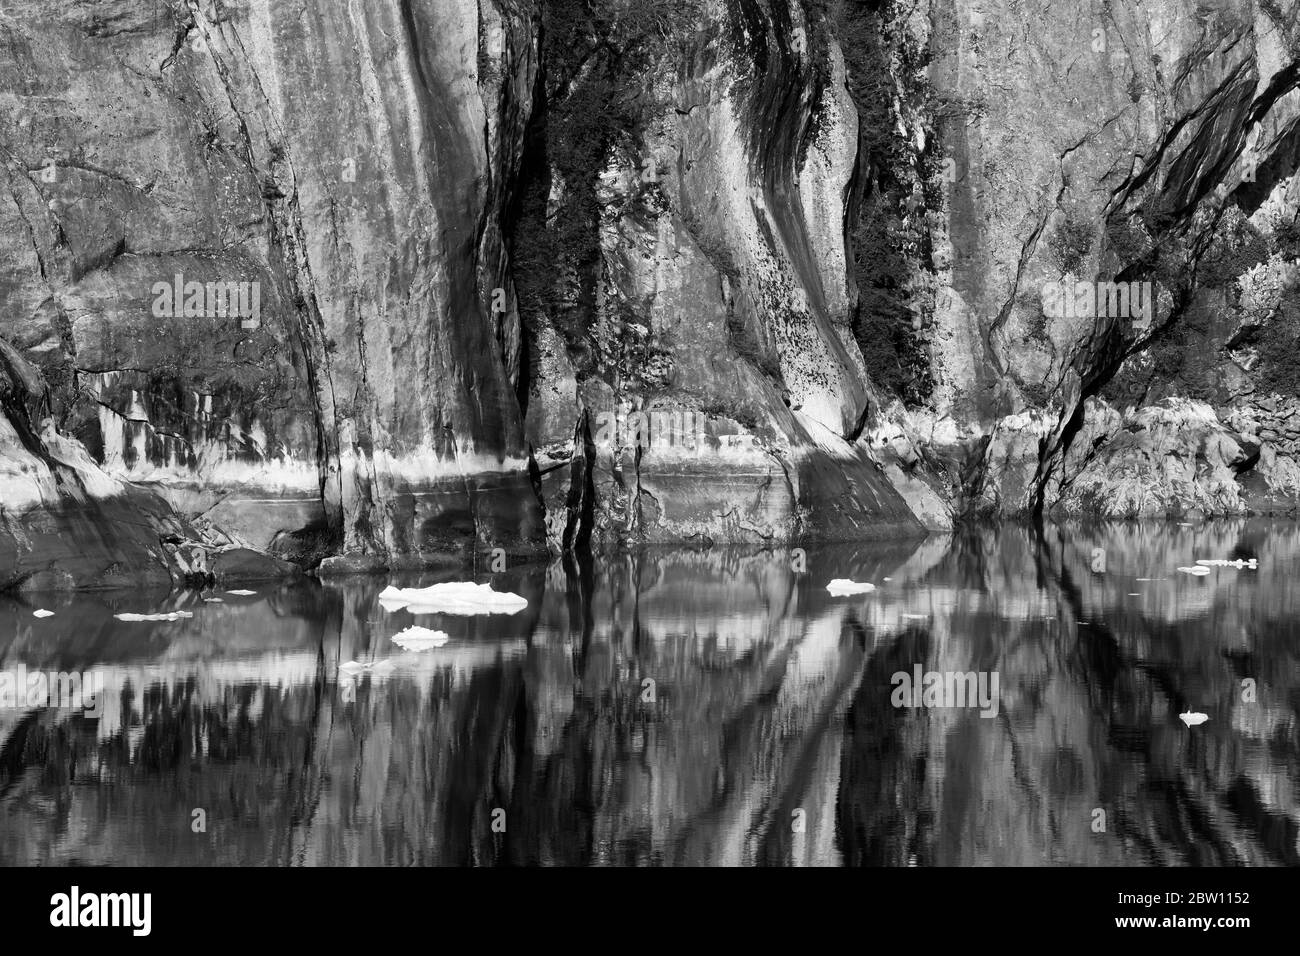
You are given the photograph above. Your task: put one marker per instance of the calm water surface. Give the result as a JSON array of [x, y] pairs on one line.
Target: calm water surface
[[688, 708]]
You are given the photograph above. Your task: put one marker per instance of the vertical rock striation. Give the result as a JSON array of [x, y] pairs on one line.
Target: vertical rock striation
[[383, 284], [350, 163], [680, 250]]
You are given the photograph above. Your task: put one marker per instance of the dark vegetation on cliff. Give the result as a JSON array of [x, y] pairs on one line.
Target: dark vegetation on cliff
[[885, 219], [595, 96], [591, 106]]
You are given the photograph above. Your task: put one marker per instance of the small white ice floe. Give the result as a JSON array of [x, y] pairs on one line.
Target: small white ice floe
[[453, 597], [1239, 564], [1196, 569], [213, 601], [242, 593], [355, 668], [842, 587], [169, 616], [420, 639], [42, 613], [1191, 718], [886, 579]]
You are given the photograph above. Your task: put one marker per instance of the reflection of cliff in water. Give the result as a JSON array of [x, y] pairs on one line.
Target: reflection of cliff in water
[[712, 708], [1092, 680]]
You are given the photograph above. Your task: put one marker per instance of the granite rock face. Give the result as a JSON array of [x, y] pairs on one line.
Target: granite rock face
[[395, 283], [681, 259], [1079, 206], [348, 167]]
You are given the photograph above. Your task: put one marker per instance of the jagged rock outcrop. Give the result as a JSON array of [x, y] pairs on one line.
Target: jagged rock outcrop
[[1154, 144], [63, 522]]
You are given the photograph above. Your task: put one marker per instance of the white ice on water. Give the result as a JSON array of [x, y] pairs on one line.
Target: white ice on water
[[453, 597], [169, 616], [420, 639], [1191, 718], [42, 613], [353, 668], [242, 593], [842, 587]]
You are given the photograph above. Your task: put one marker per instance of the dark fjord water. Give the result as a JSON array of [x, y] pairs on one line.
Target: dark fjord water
[[771, 736]]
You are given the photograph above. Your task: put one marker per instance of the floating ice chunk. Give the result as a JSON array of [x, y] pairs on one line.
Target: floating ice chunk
[[841, 587], [420, 639], [354, 668], [1195, 569], [42, 613], [242, 593], [169, 616], [1191, 718], [453, 597], [1239, 564], [213, 601]]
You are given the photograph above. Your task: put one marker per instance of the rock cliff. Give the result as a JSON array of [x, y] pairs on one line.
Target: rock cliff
[[385, 284]]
